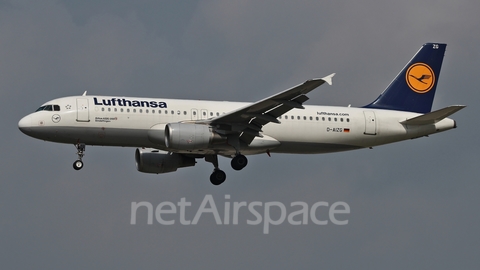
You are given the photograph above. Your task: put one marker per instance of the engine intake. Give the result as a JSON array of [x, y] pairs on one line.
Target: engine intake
[[151, 160]]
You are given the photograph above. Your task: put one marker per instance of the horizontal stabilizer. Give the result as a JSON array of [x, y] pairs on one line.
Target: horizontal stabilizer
[[433, 117]]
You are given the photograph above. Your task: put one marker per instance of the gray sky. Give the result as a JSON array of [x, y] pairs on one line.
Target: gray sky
[[414, 204]]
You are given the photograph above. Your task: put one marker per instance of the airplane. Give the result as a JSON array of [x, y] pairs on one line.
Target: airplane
[[173, 133]]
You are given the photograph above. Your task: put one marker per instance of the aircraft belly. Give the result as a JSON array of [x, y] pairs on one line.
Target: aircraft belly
[[93, 136], [312, 148]]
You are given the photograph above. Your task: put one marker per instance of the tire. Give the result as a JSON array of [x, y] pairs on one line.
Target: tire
[[239, 162], [218, 177], [77, 165]]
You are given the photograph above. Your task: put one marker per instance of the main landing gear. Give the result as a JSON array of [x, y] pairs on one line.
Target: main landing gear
[[78, 164], [218, 176], [239, 162]]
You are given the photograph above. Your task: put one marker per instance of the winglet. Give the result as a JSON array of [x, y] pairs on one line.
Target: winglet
[[328, 79]]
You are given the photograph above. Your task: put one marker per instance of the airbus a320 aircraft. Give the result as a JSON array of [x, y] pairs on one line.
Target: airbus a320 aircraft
[[172, 133]]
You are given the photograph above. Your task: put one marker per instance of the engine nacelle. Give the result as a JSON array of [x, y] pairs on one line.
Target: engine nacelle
[[183, 136], [151, 160]]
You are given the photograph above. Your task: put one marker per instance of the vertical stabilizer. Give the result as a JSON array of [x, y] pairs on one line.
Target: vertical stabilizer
[[414, 87]]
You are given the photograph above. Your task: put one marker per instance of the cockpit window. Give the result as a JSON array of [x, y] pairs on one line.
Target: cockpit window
[[43, 108], [49, 108]]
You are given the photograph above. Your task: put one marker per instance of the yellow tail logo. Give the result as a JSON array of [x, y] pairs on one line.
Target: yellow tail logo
[[420, 78]]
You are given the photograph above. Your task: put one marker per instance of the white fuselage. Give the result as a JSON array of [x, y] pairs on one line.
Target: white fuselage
[[139, 122]]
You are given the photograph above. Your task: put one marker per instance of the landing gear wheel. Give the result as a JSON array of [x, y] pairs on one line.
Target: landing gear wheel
[[239, 162], [78, 164], [218, 177]]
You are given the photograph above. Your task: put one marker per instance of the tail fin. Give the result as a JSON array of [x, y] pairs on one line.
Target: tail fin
[[414, 87]]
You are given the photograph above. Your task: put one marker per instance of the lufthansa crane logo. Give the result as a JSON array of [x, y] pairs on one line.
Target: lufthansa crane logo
[[420, 78], [56, 118]]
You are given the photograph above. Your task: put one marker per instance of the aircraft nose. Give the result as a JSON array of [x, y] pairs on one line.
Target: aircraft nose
[[25, 123]]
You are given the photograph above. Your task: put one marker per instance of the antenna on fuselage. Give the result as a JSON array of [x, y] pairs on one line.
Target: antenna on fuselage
[[84, 93]]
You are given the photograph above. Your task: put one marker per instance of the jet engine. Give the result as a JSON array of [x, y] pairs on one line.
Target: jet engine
[[151, 160], [183, 136]]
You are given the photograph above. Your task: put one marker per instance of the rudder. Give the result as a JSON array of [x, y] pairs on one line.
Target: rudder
[[414, 87]]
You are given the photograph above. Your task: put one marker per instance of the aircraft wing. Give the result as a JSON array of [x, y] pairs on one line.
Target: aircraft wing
[[248, 121]]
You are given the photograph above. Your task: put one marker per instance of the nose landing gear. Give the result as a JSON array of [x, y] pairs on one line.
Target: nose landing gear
[[78, 164]]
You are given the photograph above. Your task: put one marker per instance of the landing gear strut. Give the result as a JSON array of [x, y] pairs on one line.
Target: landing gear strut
[[239, 161], [78, 164], [218, 176]]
